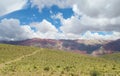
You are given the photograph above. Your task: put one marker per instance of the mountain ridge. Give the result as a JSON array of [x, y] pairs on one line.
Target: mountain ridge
[[93, 47]]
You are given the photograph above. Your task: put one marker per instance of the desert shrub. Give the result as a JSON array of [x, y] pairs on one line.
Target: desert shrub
[[94, 73], [62, 72], [46, 68], [58, 66], [67, 68]]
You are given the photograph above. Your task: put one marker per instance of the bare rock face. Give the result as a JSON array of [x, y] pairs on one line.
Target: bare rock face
[[93, 42], [108, 48], [101, 51]]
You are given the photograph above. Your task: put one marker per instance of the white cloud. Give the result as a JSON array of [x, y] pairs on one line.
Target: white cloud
[[94, 8], [11, 6], [101, 8], [45, 30], [78, 25], [11, 30], [44, 26], [90, 35], [76, 10], [95, 15], [48, 3]]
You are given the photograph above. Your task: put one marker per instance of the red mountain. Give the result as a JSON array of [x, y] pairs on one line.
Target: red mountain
[[95, 47]]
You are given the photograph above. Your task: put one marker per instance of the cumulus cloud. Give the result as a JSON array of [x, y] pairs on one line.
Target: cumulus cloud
[[48, 3], [11, 30], [45, 30], [94, 8], [11, 6], [78, 25], [44, 26], [90, 35], [101, 8], [95, 15]]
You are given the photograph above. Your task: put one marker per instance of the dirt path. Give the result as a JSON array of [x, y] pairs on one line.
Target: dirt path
[[19, 58]]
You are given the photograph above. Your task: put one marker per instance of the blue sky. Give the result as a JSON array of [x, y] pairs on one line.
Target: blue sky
[[32, 14], [60, 19]]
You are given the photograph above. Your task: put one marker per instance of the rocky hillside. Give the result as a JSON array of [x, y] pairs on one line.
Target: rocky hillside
[[94, 47], [108, 48]]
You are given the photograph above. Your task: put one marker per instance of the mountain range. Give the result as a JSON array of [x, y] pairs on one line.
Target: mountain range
[[93, 47]]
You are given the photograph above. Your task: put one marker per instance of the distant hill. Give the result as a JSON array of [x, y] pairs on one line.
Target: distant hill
[[108, 48], [94, 47], [113, 45], [81, 46]]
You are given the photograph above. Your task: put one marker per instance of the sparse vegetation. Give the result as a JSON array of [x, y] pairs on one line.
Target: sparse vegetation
[[49, 62], [10, 52]]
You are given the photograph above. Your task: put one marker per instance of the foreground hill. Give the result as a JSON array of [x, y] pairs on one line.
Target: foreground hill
[[10, 52], [112, 57], [29, 61]]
